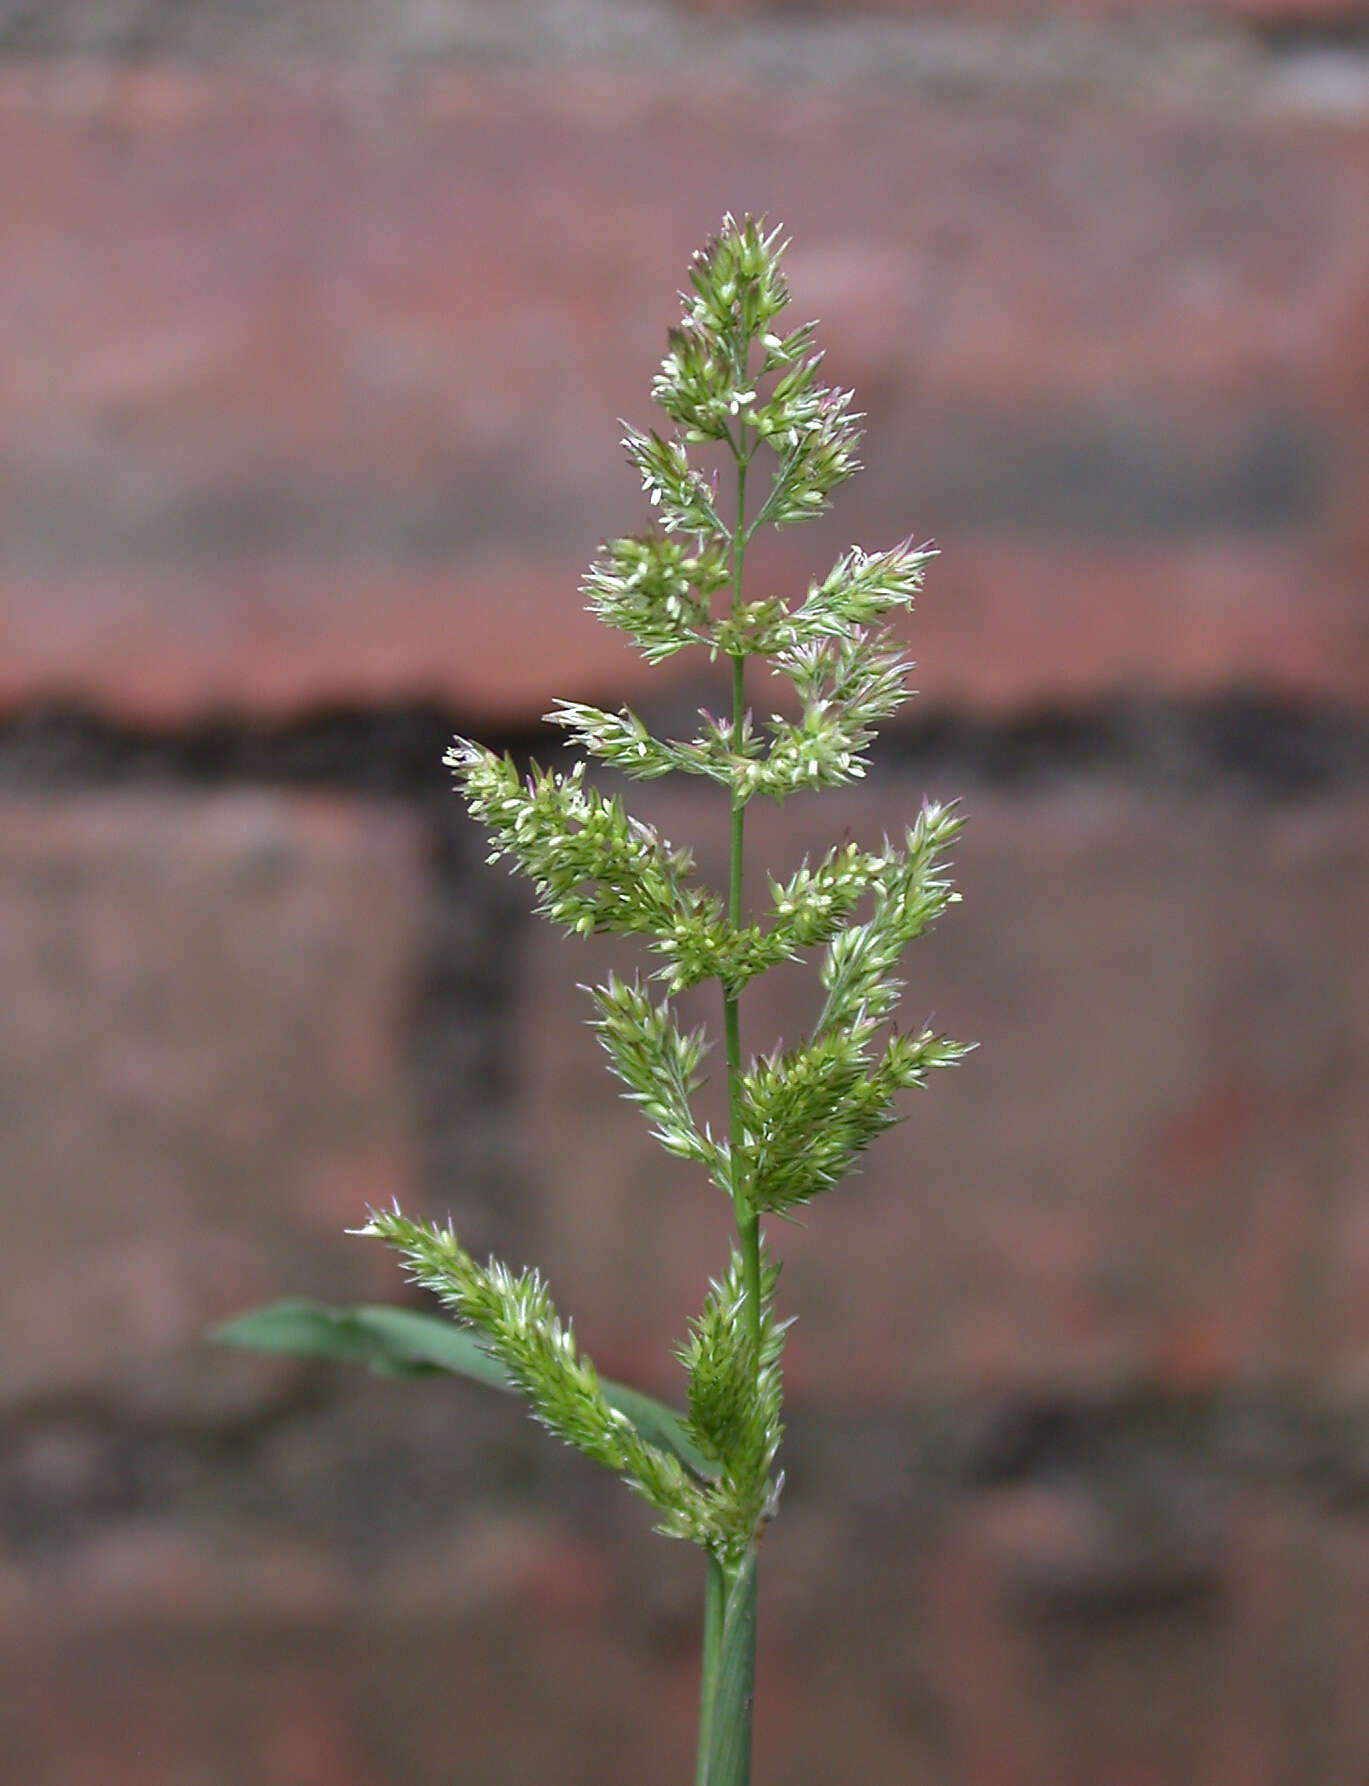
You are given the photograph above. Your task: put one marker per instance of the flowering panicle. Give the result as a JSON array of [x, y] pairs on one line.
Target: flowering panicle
[[798, 1119]]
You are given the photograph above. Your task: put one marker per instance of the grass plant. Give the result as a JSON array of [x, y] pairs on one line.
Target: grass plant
[[733, 385]]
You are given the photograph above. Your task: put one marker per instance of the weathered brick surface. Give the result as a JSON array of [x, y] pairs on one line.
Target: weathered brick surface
[[971, 47], [1151, 1172], [1146, 1183], [925, 1662], [309, 389], [203, 1072], [307, 396], [1173, 14]]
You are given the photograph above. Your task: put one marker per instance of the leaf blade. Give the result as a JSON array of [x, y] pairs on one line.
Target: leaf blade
[[396, 1342], [406, 1342]]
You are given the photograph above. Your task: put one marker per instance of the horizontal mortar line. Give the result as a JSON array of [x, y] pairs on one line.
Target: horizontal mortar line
[[1272, 1433], [38, 36], [1236, 740]]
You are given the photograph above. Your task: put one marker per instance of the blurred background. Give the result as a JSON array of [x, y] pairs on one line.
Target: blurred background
[[315, 325]]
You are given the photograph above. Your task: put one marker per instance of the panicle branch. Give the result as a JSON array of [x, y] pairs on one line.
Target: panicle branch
[[860, 963], [594, 867], [655, 589], [659, 1064], [734, 1396], [514, 1316]]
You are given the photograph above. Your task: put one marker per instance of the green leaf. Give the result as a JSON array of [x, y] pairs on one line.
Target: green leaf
[[729, 1735], [405, 1343], [392, 1341]]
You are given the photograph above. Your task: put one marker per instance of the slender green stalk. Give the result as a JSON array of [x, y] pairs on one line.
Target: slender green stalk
[[715, 1603], [729, 1747], [737, 1742], [748, 1225]]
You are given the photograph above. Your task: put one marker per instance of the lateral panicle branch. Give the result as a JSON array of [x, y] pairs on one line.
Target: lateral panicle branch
[[514, 1316]]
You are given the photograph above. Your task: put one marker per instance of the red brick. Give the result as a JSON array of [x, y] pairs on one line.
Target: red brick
[[999, 627], [908, 1654], [993, 1733], [1044, 1221], [202, 1054], [494, 638], [309, 389], [920, 1665]]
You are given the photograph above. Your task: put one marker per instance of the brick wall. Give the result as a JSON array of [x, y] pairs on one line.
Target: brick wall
[[315, 323]]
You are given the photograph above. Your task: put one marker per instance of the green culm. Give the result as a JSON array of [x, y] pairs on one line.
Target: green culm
[[731, 383]]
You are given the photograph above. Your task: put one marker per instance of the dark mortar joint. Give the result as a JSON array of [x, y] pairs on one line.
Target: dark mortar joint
[[1238, 741]]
